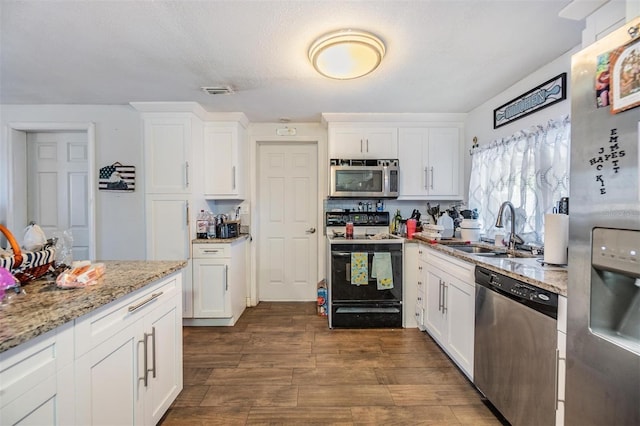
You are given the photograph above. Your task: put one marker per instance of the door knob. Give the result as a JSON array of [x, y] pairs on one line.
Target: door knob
[[311, 231]]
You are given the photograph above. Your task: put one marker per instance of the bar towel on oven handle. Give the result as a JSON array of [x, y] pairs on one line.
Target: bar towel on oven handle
[[382, 271], [359, 268]]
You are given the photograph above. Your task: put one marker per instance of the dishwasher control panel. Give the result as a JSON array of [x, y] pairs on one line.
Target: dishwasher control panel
[[541, 300]]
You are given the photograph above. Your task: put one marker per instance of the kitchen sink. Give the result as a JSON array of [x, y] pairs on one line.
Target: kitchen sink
[[481, 251], [496, 254], [473, 249]]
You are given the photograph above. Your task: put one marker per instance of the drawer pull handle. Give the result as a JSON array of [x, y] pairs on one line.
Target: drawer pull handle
[[153, 297], [211, 251]]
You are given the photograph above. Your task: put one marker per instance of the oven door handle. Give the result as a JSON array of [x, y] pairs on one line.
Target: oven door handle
[[340, 254]]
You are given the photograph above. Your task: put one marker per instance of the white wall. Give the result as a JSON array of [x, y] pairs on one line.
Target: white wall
[[480, 120], [120, 228]]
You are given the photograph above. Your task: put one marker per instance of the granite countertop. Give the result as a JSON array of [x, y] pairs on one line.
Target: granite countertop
[[45, 306], [219, 240], [524, 267]]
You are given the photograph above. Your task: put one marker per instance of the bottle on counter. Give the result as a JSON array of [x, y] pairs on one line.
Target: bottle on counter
[[212, 225], [202, 225], [395, 223], [349, 230]]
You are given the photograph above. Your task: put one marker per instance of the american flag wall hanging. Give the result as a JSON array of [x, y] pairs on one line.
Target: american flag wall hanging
[[117, 177]]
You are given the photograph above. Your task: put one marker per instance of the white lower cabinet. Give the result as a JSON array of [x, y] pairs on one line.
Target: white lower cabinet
[[118, 365], [211, 296], [36, 381], [450, 306], [219, 283], [130, 366], [561, 360]]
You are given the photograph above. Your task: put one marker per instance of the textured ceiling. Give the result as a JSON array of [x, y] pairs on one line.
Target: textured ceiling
[[442, 56]]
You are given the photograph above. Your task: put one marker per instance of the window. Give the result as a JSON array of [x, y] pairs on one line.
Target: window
[[530, 169]]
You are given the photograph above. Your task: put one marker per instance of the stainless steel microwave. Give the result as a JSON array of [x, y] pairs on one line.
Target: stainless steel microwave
[[363, 178]]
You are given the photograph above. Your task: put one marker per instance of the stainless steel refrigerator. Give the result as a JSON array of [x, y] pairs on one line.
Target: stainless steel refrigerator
[[603, 328]]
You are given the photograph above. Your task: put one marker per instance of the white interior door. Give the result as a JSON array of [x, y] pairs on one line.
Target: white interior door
[[287, 208], [58, 186]]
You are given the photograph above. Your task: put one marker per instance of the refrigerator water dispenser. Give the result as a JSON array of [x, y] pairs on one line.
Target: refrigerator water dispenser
[[615, 294]]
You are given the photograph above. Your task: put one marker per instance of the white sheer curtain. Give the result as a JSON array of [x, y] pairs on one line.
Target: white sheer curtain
[[530, 169]]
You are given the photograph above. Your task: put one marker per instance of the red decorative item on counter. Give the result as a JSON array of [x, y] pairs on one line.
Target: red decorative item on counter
[[411, 228]]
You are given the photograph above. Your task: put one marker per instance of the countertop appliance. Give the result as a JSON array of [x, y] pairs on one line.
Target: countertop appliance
[[362, 178], [603, 298], [364, 303], [515, 348]]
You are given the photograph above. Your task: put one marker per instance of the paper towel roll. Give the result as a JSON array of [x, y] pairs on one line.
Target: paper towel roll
[[556, 238]]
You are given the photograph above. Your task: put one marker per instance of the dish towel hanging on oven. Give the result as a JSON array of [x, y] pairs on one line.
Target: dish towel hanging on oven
[[381, 270], [359, 268]]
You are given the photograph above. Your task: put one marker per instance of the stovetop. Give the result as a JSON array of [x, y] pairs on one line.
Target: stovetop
[[373, 236], [367, 237]]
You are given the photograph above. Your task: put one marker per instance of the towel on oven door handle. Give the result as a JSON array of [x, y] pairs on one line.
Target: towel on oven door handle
[[382, 271], [359, 268]]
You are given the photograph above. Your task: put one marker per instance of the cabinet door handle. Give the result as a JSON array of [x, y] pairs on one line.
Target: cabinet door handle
[[361, 142], [186, 173], [426, 178], [233, 177], [439, 295], [367, 145], [431, 177], [348, 272], [153, 350], [151, 298], [444, 297], [187, 208], [557, 387], [226, 277], [145, 365]]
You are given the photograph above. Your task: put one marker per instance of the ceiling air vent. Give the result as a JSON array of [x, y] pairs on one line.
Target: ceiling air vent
[[218, 90]]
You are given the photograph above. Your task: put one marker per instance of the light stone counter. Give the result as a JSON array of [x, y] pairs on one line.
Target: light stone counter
[[45, 306], [220, 240], [523, 268]]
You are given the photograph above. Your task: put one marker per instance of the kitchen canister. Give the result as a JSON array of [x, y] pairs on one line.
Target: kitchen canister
[[470, 234], [556, 238]]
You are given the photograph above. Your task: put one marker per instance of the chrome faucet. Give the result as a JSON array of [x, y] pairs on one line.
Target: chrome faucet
[[513, 237]]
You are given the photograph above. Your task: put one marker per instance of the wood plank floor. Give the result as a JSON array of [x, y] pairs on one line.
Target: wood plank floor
[[281, 364]]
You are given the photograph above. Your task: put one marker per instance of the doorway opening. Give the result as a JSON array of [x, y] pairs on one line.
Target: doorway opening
[[51, 180], [287, 210]]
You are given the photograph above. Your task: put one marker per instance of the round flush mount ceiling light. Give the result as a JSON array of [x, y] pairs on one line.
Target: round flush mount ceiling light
[[346, 54]]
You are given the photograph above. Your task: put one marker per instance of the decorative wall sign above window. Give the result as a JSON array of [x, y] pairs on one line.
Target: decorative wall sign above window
[[117, 177], [542, 96]]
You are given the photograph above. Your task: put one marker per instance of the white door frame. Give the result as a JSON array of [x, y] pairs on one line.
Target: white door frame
[[13, 175], [266, 133]]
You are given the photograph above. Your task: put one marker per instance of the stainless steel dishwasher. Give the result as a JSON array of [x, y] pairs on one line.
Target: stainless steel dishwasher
[[515, 348]]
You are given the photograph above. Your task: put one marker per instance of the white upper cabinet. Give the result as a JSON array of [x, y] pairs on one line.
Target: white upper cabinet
[[347, 141], [167, 149], [430, 163], [171, 141], [225, 148]]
